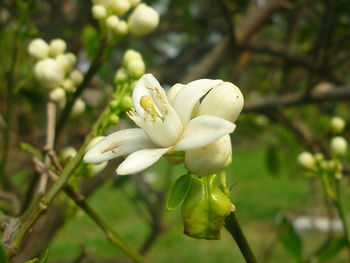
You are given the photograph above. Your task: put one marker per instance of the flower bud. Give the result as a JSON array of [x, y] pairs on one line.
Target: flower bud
[[78, 107], [68, 152], [97, 168], [225, 101], [38, 48], [337, 124], [105, 3], [120, 76], [98, 12], [126, 103], [130, 55], [68, 85], [339, 146], [77, 77], [58, 95], [205, 208], [143, 20], [306, 160], [136, 68], [48, 72], [57, 46], [122, 28], [114, 119], [134, 3], [66, 61], [120, 7], [112, 22], [171, 94], [209, 159]]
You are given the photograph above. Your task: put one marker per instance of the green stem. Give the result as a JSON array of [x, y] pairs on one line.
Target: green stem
[[232, 225], [339, 204]]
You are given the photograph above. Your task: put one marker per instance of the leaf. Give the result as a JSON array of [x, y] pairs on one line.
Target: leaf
[[31, 150], [3, 257], [272, 160], [290, 238], [178, 192], [332, 249], [42, 259]]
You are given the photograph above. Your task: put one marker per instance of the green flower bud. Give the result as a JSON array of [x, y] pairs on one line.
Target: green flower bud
[[113, 104], [114, 119], [126, 103], [205, 208]]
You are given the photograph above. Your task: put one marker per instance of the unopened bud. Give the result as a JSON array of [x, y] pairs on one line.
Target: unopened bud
[[97, 168], [134, 3], [58, 95], [78, 107], [38, 48], [68, 85], [131, 55], [68, 152], [48, 72], [122, 28], [120, 7], [120, 76], [143, 20], [112, 22], [126, 103], [77, 77], [57, 46], [339, 145], [136, 68], [114, 119], [66, 61], [99, 12], [306, 160], [337, 124]]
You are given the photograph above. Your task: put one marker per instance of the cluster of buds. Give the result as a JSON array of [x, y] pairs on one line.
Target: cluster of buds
[[133, 67], [141, 20], [54, 69]]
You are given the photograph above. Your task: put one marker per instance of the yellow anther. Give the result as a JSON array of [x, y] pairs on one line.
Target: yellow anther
[[147, 104]]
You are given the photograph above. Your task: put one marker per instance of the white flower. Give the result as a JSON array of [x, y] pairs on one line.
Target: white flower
[[164, 127], [99, 12], [306, 160], [120, 7], [48, 72], [337, 124], [38, 48], [143, 20], [57, 46], [339, 145]]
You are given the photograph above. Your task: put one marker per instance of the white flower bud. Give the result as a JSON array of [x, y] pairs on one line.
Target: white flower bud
[[68, 85], [306, 160], [48, 72], [94, 141], [339, 145], [120, 7], [72, 58], [121, 76], [66, 61], [77, 77], [143, 20], [68, 152], [58, 95], [57, 46], [131, 54], [171, 94], [122, 28], [337, 124], [105, 3], [38, 48], [112, 22], [78, 107], [136, 68], [209, 159], [225, 101], [97, 168], [134, 3], [99, 12]]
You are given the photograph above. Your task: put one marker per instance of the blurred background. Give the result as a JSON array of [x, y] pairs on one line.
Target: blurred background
[[291, 60]]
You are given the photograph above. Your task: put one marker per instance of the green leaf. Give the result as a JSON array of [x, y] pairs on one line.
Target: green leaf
[[31, 150], [178, 192], [42, 259], [332, 249], [3, 257], [272, 160], [290, 238]]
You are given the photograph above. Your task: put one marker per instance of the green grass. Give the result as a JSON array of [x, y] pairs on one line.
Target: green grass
[[258, 197]]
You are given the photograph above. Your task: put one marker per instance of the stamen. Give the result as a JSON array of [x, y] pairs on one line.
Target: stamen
[[147, 104]]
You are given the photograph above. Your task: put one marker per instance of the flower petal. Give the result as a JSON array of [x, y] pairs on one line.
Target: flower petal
[[141, 89], [202, 131], [188, 96], [117, 144], [140, 160]]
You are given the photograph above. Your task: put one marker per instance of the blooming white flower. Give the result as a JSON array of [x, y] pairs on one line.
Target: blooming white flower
[[339, 145], [99, 12], [57, 46], [306, 160], [143, 20], [337, 124], [38, 48], [48, 72], [164, 126]]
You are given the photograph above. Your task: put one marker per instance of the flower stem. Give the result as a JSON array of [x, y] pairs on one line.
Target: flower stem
[[233, 226]]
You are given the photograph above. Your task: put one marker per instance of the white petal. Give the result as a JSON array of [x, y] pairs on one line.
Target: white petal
[[146, 81], [188, 96], [140, 160], [117, 144], [172, 92], [202, 131]]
